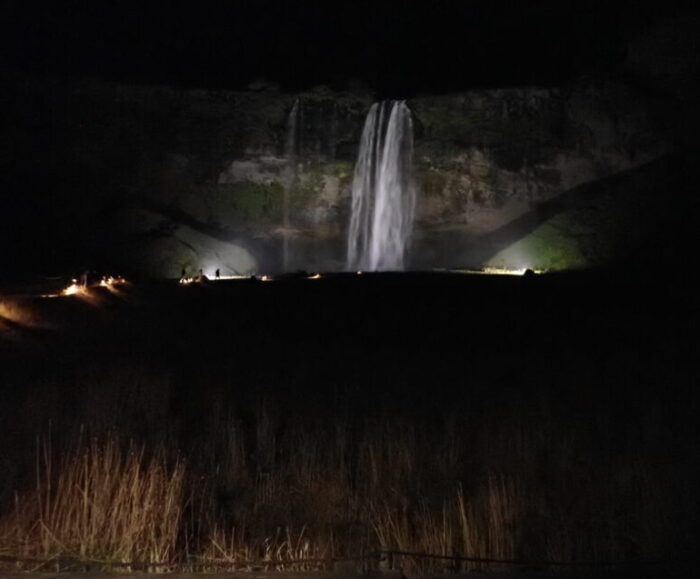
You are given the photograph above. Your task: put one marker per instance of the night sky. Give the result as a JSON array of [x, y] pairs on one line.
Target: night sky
[[394, 47]]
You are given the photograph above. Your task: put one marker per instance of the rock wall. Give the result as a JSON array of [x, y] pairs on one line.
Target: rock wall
[[187, 178]]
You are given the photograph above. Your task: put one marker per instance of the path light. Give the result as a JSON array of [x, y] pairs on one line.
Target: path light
[[108, 281], [73, 289], [266, 278], [506, 271], [491, 270], [316, 276], [111, 282]]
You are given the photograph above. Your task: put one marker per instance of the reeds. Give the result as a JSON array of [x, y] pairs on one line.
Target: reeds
[[284, 491], [103, 504]]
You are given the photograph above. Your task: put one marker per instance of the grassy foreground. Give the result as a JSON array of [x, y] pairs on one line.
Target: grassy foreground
[[223, 426]]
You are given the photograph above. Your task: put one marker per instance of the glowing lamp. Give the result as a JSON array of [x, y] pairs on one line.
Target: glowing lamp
[[72, 289]]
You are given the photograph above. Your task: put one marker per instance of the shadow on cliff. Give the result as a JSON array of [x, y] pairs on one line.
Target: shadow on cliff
[[263, 251], [656, 187]]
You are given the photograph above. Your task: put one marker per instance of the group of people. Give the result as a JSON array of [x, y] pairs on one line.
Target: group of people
[[200, 277]]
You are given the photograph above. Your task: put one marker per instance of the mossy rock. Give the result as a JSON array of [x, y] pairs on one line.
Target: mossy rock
[[306, 188], [433, 183], [549, 247], [344, 170], [253, 202], [443, 119], [311, 182], [588, 235], [510, 157]]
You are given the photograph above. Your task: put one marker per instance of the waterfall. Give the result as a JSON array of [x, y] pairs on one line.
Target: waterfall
[[383, 195], [291, 149]]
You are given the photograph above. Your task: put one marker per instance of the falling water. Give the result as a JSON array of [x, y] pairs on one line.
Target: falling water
[[291, 149], [383, 195]]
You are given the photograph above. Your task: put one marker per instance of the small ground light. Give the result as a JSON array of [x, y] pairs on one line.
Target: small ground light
[[72, 289], [109, 281]]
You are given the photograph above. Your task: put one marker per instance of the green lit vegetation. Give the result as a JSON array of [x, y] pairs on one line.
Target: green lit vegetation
[[253, 202], [588, 234], [309, 187], [549, 247]]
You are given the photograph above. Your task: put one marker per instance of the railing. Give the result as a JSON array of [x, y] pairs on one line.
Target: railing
[[383, 560]]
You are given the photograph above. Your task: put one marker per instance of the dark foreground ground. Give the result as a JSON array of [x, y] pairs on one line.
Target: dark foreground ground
[[562, 410], [414, 328], [397, 339], [676, 574]]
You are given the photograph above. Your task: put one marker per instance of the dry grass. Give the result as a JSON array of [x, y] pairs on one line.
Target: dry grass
[[393, 496], [277, 490], [101, 503], [285, 551]]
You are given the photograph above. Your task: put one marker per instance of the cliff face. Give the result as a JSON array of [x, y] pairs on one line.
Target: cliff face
[[514, 177]]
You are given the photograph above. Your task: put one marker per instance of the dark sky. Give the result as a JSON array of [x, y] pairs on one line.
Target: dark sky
[[391, 46]]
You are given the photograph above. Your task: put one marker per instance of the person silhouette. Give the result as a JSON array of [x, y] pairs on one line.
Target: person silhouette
[[217, 274]]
